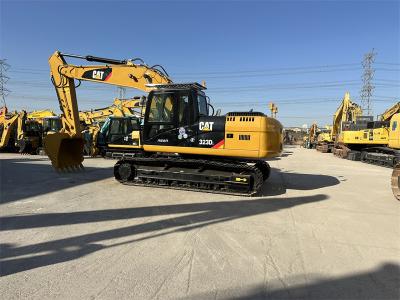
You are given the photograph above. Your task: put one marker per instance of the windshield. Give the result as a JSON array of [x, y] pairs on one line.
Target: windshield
[[53, 124], [203, 107]]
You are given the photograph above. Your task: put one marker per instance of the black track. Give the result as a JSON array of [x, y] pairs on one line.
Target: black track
[[213, 176]]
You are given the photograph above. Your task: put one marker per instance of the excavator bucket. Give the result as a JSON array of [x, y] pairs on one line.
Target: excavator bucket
[[65, 153]]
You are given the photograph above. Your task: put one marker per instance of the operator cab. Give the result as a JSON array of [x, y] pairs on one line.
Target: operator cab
[[32, 128], [51, 125], [119, 131], [180, 115]]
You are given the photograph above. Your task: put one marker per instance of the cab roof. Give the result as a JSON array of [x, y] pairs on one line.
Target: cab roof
[[178, 86]]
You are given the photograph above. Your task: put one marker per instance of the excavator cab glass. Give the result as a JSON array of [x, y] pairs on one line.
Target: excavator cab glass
[[32, 128], [172, 115], [118, 130], [51, 124]]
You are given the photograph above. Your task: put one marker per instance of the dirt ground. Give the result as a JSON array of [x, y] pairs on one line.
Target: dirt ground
[[323, 228]]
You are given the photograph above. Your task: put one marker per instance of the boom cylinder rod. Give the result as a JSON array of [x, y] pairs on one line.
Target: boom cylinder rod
[[97, 59]]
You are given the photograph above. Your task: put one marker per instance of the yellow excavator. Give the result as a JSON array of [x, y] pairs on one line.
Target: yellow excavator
[[324, 142], [372, 141], [96, 124], [309, 141], [9, 129], [182, 145], [23, 132], [378, 143], [34, 126], [347, 114]]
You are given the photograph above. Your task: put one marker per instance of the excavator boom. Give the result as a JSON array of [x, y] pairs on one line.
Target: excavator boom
[[387, 115], [65, 148]]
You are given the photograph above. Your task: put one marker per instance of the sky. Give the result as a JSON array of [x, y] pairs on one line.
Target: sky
[[301, 55]]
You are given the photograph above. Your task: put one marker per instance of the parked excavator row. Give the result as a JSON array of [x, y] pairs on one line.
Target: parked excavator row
[[179, 142], [23, 132], [371, 141], [357, 137]]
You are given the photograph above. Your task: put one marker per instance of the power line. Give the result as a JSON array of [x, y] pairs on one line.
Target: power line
[[388, 63]]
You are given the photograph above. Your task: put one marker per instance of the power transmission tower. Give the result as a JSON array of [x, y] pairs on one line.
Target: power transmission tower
[[3, 80], [368, 87], [121, 92]]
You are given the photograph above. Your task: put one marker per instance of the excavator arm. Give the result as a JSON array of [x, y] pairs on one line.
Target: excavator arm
[[6, 129], [40, 114], [387, 115], [133, 106], [65, 148], [91, 116]]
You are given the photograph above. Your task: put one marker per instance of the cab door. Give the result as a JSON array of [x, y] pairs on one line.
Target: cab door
[[161, 119], [120, 131]]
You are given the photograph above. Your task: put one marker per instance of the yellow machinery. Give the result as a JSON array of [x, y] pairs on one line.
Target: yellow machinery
[[23, 132], [309, 141], [345, 116], [346, 113], [324, 140], [133, 106], [35, 125], [181, 145], [274, 109], [95, 137], [8, 129], [372, 141]]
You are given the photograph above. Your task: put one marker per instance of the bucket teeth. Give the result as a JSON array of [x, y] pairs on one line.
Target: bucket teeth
[[70, 169]]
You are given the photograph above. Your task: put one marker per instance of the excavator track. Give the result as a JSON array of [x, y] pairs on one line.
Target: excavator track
[[222, 177], [324, 148], [395, 181], [341, 151]]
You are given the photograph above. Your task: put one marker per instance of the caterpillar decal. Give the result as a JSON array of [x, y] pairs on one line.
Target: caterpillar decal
[[219, 145], [99, 74]]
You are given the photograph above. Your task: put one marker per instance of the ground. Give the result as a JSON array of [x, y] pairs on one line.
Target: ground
[[323, 228]]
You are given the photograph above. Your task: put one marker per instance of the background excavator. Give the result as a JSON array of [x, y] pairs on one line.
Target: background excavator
[[181, 144], [347, 114], [24, 132], [34, 127], [8, 129], [95, 123], [310, 140], [373, 141], [324, 142]]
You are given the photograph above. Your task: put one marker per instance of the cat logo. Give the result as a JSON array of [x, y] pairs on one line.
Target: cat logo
[[98, 74], [206, 126], [240, 179]]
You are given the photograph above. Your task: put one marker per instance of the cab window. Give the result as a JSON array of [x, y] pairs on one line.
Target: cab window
[[394, 126], [161, 108], [203, 107], [117, 127], [184, 110]]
